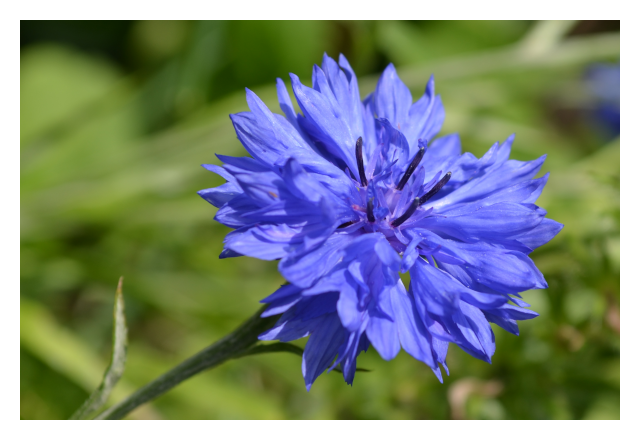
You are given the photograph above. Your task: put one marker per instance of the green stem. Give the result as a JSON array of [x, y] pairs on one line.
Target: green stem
[[231, 346]]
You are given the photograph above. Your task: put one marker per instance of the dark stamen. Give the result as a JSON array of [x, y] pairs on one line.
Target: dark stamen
[[403, 218], [363, 178], [418, 201], [437, 187], [370, 216], [412, 167]]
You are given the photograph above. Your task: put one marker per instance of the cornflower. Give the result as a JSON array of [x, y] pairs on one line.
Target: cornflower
[[350, 194]]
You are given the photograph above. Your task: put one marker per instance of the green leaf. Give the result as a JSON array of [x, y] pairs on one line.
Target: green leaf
[[118, 359]]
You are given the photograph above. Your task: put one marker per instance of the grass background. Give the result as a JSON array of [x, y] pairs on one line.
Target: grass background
[[116, 118]]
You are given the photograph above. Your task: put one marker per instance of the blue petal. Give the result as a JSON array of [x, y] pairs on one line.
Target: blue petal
[[285, 103], [353, 103], [524, 192], [383, 331], [286, 331], [414, 337], [386, 254], [480, 189], [519, 302], [272, 139], [541, 234], [304, 185], [439, 293], [281, 300], [471, 333], [284, 291], [315, 306], [322, 347], [369, 137], [480, 327], [275, 134], [244, 163], [468, 167], [488, 223], [264, 187], [432, 244], [395, 146], [219, 171], [372, 268], [392, 99], [426, 117], [266, 242], [411, 254], [344, 87], [348, 354], [510, 325], [302, 317], [513, 312], [228, 253], [506, 316], [506, 272], [441, 154], [326, 123], [220, 195], [501, 270], [232, 213], [349, 310], [331, 282], [305, 270], [440, 347]]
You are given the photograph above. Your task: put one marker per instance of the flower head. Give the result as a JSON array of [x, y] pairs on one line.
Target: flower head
[[350, 193]]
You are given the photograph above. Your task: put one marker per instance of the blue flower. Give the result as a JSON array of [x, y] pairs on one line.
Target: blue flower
[[350, 193], [603, 86]]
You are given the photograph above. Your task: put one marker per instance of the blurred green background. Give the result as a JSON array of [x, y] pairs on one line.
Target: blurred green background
[[116, 118]]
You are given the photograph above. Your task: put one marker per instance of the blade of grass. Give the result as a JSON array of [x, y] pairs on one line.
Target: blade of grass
[[118, 359], [226, 348]]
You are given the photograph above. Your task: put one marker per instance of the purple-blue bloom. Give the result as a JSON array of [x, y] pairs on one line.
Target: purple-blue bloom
[[603, 84], [350, 193]]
